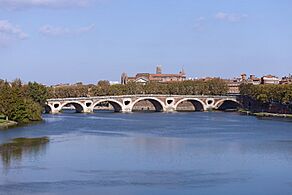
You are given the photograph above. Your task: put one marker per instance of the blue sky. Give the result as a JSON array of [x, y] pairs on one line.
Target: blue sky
[[60, 41]]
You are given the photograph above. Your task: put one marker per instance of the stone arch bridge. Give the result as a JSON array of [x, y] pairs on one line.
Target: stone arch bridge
[[161, 103]]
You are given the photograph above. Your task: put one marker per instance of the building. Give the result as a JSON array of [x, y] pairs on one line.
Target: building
[[205, 79], [254, 80], [243, 77], [286, 80], [144, 78], [270, 79], [61, 85], [234, 84]]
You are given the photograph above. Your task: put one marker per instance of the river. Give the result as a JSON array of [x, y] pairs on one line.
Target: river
[[151, 153]]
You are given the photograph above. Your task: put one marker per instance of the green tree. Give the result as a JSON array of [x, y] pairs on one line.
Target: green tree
[[16, 104], [37, 92]]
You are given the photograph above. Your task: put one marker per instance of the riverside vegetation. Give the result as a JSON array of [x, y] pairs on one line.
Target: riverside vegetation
[[21, 103], [268, 93], [103, 88], [24, 103], [264, 99]]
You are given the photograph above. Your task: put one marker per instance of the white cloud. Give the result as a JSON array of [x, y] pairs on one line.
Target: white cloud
[[21, 4], [10, 32], [199, 24], [230, 17], [49, 30]]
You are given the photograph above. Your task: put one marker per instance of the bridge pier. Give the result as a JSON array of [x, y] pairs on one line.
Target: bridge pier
[[55, 112], [126, 109], [87, 110], [169, 109]]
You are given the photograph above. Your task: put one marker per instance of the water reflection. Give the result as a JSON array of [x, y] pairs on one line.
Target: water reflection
[[16, 148]]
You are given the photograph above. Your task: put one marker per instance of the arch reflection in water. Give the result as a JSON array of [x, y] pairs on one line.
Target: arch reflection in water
[[17, 148]]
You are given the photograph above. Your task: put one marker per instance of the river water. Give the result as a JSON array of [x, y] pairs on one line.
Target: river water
[[151, 153]]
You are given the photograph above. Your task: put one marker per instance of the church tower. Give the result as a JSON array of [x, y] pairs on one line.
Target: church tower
[[124, 78], [182, 72], [159, 69]]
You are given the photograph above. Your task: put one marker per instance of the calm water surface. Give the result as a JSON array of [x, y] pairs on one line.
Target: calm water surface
[[151, 153]]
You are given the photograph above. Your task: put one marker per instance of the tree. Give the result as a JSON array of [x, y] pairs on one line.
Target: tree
[[103, 88], [267, 94], [38, 92], [103, 83], [217, 87], [16, 104]]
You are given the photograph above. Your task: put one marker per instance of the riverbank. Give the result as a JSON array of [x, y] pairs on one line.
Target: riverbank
[[4, 124], [265, 114]]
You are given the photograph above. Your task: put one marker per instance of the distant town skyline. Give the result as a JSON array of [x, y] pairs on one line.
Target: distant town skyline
[[68, 41]]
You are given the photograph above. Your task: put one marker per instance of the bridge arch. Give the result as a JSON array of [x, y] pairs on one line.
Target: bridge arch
[[228, 104], [79, 107], [118, 106], [197, 103], [157, 103], [48, 109]]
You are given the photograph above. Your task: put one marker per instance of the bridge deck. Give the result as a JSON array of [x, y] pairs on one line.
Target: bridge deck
[[142, 95]]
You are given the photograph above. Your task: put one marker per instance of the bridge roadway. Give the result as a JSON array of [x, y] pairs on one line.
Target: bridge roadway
[[126, 103]]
